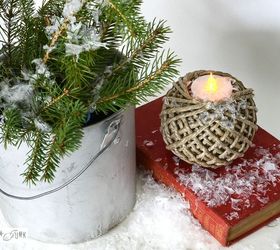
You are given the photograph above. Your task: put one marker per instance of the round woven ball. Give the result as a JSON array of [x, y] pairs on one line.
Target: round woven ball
[[210, 134]]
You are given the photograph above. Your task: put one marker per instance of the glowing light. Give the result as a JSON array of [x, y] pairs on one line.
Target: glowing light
[[212, 85], [212, 88]]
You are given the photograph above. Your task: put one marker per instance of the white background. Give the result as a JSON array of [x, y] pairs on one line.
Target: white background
[[239, 37]]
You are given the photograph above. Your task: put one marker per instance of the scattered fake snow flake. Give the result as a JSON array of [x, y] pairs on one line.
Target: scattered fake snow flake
[[48, 49], [232, 215], [73, 32], [247, 203], [218, 190], [176, 159], [158, 160], [55, 23], [91, 40], [41, 67], [235, 204], [148, 143], [85, 40], [17, 93], [263, 200], [26, 75], [268, 166], [226, 112], [71, 7], [42, 126], [95, 12], [73, 49], [154, 131], [165, 166], [80, 37], [260, 151]]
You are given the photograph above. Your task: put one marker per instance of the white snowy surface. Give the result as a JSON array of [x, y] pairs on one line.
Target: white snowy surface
[[160, 220]]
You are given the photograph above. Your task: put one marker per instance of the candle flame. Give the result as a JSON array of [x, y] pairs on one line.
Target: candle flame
[[211, 85]]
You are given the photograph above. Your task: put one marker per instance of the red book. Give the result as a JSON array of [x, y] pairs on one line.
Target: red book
[[230, 202]]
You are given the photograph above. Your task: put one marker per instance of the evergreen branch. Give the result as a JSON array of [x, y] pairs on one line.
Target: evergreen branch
[[156, 35], [51, 8], [110, 36], [167, 67], [28, 33], [67, 136], [114, 5], [57, 99], [24, 135], [9, 34], [35, 158], [51, 163], [10, 15], [44, 3], [10, 127], [78, 73]]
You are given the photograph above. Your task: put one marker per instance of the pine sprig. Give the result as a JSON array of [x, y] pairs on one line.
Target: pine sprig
[[138, 60], [10, 15], [10, 127], [152, 79], [26, 33], [126, 15], [142, 50], [51, 8], [110, 35], [78, 73], [35, 158], [51, 163], [115, 6], [67, 135]]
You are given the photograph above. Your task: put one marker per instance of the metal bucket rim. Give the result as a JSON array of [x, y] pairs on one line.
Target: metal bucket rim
[[106, 119]]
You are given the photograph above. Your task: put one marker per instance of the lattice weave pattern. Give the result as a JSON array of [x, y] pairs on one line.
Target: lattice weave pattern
[[206, 133]]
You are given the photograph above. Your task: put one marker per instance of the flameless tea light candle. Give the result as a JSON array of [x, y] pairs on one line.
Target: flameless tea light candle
[[212, 88]]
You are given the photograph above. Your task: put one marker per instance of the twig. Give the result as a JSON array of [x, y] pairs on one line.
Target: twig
[[139, 85], [55, 37], [55, 100], [123, 17]]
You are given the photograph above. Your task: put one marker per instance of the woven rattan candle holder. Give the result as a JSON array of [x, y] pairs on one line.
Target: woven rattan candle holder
[[210, 134]]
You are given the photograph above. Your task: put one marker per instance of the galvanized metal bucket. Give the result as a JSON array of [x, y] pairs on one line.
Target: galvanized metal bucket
[[93, 191]]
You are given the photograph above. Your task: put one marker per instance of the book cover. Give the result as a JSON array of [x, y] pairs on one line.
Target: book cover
[[230, 202]]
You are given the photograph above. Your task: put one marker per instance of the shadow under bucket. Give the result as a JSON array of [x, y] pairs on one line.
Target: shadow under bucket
[[94, 188]]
